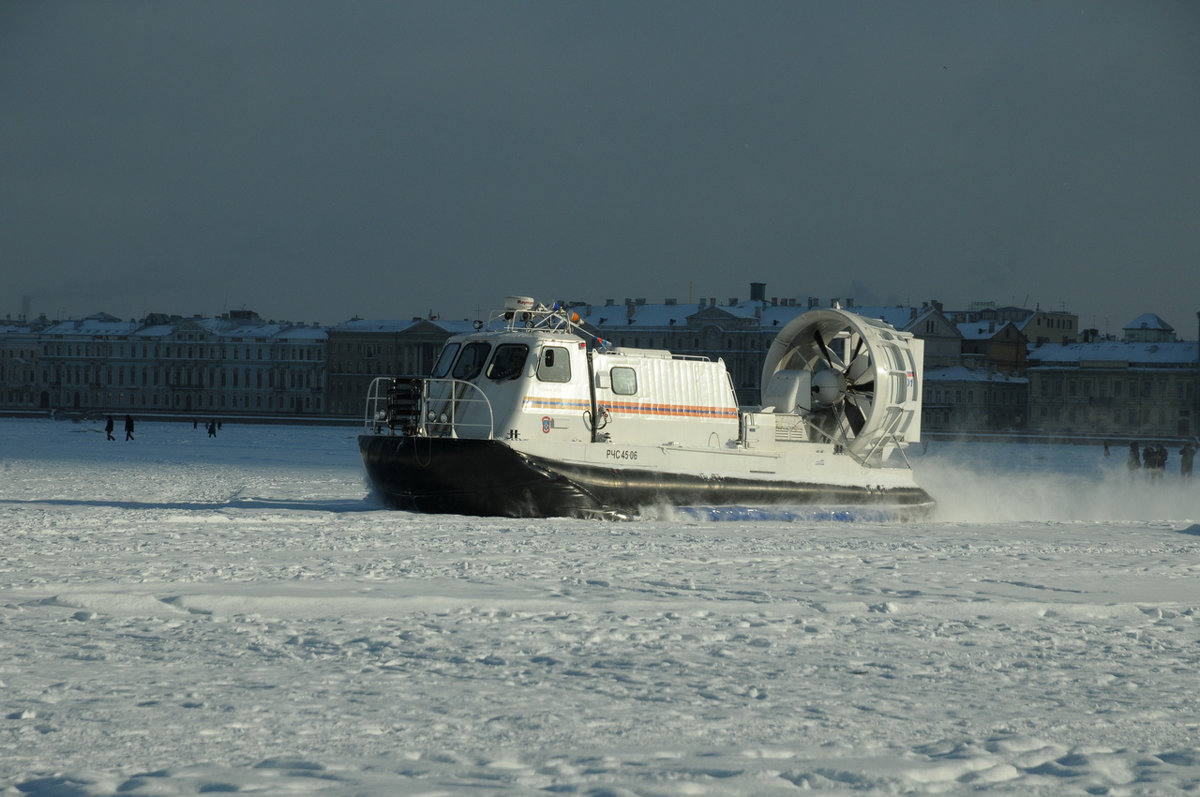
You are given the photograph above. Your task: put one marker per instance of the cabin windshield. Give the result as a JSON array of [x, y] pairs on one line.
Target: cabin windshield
[[471, 361], [508, 361], [444, 360]]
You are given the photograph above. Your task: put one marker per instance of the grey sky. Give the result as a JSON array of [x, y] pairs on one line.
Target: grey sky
[[316, 161]]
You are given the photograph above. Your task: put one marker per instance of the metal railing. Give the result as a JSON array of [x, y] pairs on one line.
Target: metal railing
[[377, 416], [445, 408]]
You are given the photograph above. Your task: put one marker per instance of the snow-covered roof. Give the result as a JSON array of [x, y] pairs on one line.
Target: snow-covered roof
[[374, 325], [975, 330], [229, 328], [1173, 354], [898, 316], [960, 373], [155, 331], [455, 327], [652, 315], [980, 330], [768, 316], [1149, 321], [100, 325], [299, 332]]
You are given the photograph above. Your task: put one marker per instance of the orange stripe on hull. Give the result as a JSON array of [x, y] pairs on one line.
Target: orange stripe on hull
[[533, 403]]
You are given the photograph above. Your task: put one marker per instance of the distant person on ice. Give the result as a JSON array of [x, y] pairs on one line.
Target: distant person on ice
[[1186, 455], [1154, 460], [128, 427], [212, 428], [1135, 461], [108, 427]]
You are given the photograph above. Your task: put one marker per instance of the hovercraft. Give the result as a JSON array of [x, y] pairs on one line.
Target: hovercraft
[[530, 415]]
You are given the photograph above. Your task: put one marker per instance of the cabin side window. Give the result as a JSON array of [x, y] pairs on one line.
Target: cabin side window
[[554, 365], [508, 361], [470, 362], [624, 381], [444, 360]]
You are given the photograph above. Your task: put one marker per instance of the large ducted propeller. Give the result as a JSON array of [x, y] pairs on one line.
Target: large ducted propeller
[[863, 378]]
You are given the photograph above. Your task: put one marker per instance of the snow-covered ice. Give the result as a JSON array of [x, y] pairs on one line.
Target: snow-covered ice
[[180, 614]]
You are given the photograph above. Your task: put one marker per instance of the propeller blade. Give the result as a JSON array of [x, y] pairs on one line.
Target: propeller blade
[[856, 417], [859, 367], [861, 403], [824, 349], [864, 388]]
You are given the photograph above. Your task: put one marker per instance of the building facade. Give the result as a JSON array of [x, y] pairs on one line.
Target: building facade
[[235, 364], [997, 346], [1046, 326], [18, 363], [1111, 388], [361, 350], [961, 400]]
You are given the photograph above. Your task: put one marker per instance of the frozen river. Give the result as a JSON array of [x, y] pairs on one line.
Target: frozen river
[[181, 614]]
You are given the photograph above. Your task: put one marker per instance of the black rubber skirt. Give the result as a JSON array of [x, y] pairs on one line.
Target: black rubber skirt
[[489, 478]]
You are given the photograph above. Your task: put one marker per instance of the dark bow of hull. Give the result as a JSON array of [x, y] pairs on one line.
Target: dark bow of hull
[[489, 478]]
